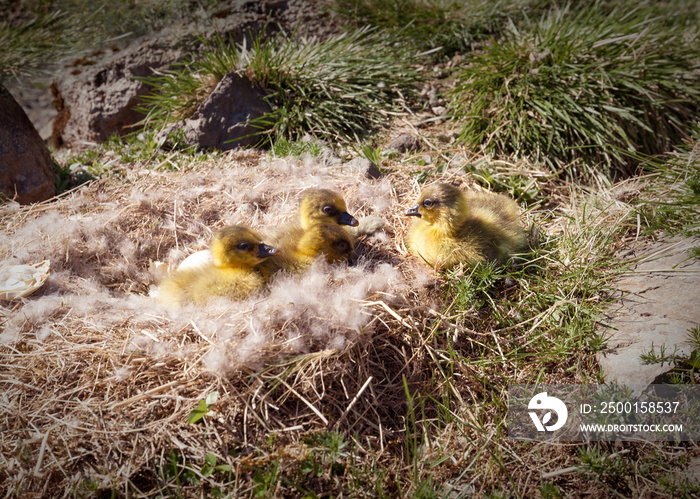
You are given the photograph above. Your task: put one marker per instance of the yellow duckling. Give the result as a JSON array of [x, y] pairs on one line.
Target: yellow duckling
[[318, 231], [236, 250], [331, 241], [324, 207], [318, 207], [463, 227]]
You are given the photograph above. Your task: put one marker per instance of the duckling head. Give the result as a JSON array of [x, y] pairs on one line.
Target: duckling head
[[237, 246], [330, 240], [323, 206], [441, 204]]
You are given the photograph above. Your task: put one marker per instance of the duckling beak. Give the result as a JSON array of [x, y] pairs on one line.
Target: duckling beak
[[413, 211], [347, 219], [264, 251]]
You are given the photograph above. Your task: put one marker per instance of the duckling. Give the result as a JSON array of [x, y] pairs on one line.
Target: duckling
[[235, 252], [328, 240], [323, 206], [461, 227], [321, 213], [318, 207]]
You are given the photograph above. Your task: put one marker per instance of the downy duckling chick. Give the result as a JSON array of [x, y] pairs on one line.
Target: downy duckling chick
[[301, 241], [455, 227], [331, 241], [317, 207], [324, 206], [235, 250]]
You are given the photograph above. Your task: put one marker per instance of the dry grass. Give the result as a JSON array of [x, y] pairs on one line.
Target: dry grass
[[98, 379]]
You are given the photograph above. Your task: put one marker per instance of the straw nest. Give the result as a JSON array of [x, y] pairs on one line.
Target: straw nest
[[98, 379]]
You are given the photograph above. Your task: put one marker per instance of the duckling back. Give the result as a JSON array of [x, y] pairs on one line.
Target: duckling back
[[498, 218], [458, 227]]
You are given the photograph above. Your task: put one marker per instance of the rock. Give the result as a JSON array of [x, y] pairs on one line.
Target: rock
[[459, 160], [661, 303], [457, 60], [404, 142], [326, 153], [433, 99], [364, 167], [26, 169], [222, 121], [37, 102], [96, 99], [692, 472], [425, 159]]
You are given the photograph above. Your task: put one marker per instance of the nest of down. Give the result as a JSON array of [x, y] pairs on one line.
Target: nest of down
[[104, 377]]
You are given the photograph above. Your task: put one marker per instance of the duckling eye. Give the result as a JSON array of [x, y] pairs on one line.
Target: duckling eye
[[428, 203], [329, 210], [243, 246], [342, 245]]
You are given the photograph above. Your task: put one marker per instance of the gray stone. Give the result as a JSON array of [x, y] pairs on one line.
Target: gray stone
[[222, 121], [404, 143], [26, 169], [326, 153], [364, 167], [459, 160], [97, 99], [433, 99], [692, 472], [661, 303]]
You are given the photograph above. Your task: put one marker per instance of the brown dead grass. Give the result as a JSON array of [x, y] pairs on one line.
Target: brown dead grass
[[98, 379]]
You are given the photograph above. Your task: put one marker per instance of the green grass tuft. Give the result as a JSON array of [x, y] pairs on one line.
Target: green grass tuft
[[340, 89], [447, 26], [585, 87], [283, 148], [671, 203], [36, 36], [26, 46]]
